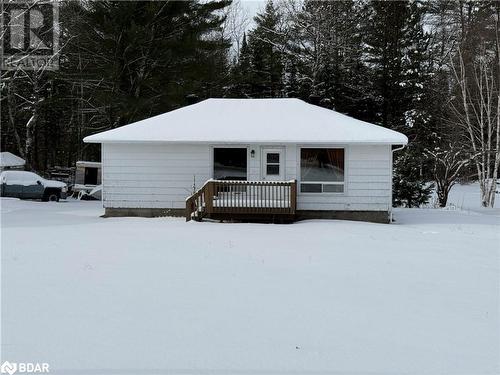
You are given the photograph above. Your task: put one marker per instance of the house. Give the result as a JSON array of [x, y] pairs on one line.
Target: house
[[87, 176], [249, 158], [10, 161]]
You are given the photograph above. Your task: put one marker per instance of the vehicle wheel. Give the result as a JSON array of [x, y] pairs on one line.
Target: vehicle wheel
[[53, 197]]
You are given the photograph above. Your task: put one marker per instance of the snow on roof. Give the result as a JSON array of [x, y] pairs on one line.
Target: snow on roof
[[8, 159], [251, 121], [91, 164]]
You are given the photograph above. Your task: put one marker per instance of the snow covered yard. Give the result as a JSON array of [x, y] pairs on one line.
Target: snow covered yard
[[144, 296]]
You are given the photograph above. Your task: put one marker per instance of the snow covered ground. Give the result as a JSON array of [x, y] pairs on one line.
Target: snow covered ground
[[151, 296]]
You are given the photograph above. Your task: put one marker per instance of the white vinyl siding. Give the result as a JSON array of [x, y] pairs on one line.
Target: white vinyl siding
[[161, 175], [152, 176]]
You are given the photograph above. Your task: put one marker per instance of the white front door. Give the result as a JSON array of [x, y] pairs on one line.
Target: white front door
[[273, 164]]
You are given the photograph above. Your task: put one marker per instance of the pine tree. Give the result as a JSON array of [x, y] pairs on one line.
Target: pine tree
[[409, 189], [326, 40], [396, 52], [266, 45], [241, 74], [386, 39], [144, 58], [291, 80]]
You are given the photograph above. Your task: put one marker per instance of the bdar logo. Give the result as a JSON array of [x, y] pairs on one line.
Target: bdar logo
[[8, 368], [23, 368]]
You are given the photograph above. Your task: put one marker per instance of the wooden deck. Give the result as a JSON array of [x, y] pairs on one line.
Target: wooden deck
[[268, 201]]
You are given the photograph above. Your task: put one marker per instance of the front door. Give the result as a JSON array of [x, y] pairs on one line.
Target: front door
[[273, 164]]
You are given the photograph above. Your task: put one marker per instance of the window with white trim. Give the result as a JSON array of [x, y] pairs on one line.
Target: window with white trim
[[322, 170], [230, 163], [273, 163]]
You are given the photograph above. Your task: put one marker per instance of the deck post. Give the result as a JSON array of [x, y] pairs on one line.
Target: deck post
[[209, 197], [293, 196], [189, 209]]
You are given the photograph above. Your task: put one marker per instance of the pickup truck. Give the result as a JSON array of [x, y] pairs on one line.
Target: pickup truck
[[29, 185]]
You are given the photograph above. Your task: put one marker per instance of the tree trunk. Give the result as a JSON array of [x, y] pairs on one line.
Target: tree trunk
[[10, 109], [30, 140], [443, 197], [488, 191]]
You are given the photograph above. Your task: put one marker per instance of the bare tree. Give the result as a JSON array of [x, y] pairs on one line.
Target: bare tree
[[478, 111], [235, 25], [448, 164], [24, 84]]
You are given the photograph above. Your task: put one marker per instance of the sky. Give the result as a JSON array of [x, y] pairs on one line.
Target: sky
[[252, 7]]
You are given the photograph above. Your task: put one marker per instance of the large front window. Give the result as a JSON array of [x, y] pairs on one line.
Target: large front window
[[230, 163], [322, 170]]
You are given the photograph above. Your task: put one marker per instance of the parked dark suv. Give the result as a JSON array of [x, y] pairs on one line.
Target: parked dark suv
[[29, 185]]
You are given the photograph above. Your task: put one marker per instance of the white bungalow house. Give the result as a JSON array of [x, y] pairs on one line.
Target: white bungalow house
[[249, 158]]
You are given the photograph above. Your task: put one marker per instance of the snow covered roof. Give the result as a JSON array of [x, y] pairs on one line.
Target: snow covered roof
[[91, 164], [251, 121], [8, 159]]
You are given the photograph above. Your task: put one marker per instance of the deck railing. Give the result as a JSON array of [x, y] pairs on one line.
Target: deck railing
[[195, 204], [254, 198]]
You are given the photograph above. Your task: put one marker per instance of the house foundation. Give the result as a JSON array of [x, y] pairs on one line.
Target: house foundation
[[382, 217], [142, 212]]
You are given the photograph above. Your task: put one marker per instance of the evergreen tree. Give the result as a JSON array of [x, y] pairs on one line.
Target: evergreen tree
[[409, 189], [326, 38], [387, 40], [266, 45], [292, 80], [241, 75], [396, 52]]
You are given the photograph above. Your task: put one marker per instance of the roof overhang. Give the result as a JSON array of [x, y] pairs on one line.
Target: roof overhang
[[240, 142], [246, 121]]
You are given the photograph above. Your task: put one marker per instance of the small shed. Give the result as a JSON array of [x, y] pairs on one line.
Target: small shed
[[87, 175], [241, 158], [10, 161]]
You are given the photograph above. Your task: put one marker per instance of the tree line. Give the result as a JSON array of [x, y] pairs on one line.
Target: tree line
[[429, 69]]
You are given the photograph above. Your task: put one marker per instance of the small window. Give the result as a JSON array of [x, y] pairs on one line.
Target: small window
[[272, 169], [273, 163], [230, 163], [90, 177], [322, 170], [273, 157]]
